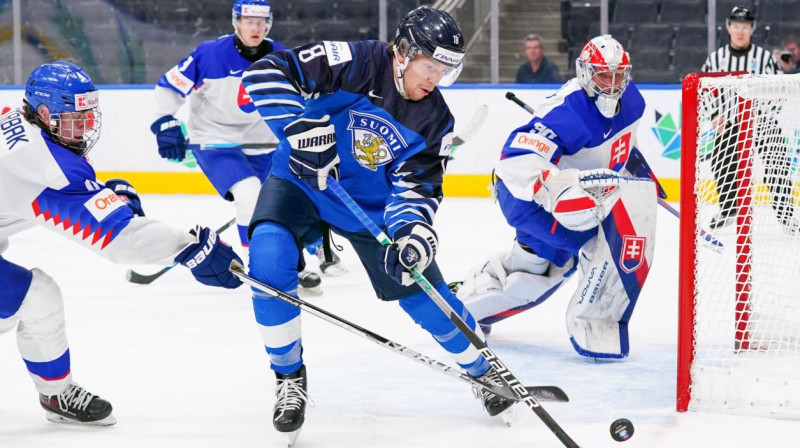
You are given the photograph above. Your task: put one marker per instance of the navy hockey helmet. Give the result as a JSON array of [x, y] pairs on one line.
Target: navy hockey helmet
[[741, 14], [434, 33], [251, 8], [71, 99]]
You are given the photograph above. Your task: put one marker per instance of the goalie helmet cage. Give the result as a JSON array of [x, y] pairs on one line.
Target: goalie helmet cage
[[739, 304]]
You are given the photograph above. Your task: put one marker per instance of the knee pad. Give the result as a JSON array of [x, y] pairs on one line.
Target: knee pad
[[43, 300], [273, 256], [245, 195]]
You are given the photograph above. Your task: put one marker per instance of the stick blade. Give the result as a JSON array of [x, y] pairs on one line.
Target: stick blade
[[548, 393]]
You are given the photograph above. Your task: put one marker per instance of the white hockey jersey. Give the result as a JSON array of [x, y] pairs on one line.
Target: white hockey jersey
[[220, 110], [43, 183]]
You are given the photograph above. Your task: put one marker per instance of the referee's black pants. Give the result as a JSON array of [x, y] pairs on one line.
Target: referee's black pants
[[769, 145]]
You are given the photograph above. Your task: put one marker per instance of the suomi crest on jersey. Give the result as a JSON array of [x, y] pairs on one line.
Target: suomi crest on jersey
[[376, 141]]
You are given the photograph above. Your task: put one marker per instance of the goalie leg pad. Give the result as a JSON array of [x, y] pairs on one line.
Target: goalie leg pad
[[510, 283], [616, 266]]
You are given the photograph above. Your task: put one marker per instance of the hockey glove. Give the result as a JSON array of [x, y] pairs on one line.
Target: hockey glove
[[209, 259], [125, 190], [575, 207], [414, 246], [313, 154], [169, 136]]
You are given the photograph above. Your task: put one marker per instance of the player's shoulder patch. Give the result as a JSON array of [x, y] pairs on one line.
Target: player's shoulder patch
[[337, 52], [534, 142], [178, 80]]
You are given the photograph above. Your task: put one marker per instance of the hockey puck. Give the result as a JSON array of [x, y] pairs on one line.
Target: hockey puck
[[621, 430]]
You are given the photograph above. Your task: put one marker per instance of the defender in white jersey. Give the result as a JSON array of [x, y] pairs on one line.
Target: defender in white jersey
[[558, 185], [741, 55], [45, 180], [220, 111]]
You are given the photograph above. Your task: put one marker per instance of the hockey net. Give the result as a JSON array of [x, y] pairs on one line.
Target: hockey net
[[739, 336]]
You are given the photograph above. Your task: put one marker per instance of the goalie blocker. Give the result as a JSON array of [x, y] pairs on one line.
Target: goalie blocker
[[615, 259]]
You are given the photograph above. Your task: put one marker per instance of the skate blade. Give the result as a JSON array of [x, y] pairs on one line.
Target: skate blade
[[334, 270], [291, 437], [56, 418], [309, 292], [509, 416]]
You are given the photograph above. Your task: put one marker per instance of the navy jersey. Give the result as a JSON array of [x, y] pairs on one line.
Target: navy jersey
[[567, 131], [393, 151]]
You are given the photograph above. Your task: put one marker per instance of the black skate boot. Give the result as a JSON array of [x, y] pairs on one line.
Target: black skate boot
[[494, 404], [308, 283], [290, 406], [331, 268], [77, 405]]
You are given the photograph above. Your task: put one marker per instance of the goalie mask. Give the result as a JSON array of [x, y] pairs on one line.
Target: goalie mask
[[246, 11], [62, 100], [604, 71], [435, 34]]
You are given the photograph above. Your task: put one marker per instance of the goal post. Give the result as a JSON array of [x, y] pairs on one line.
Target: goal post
[[739, 302]]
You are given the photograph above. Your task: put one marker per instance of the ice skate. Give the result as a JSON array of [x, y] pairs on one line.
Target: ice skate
[[77, 406], [308, 283], [494, 404], [332, 268], [290, 406]]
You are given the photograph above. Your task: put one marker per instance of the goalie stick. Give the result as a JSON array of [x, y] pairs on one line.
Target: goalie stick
[[708, 237], [544, 393], [145, 279], [505, 375]]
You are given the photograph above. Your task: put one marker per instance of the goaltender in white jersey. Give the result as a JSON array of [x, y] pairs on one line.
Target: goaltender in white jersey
[[559, 186], [45, 180]]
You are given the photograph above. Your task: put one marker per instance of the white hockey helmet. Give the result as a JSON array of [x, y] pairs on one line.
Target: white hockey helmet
[[604, 71]]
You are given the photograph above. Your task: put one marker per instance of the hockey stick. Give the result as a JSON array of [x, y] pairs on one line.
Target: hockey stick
[[708, 237], [506, 376], [207, 146], [472, 127], [146, 279], [544, 393]]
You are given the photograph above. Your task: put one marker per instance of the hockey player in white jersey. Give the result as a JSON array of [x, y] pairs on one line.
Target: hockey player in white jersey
[[558, 185], [220, 111], [45, 180]]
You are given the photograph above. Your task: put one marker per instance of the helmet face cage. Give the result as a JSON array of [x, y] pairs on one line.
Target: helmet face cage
[[71, 101], [435, 34], [604, 67], [251, 8]]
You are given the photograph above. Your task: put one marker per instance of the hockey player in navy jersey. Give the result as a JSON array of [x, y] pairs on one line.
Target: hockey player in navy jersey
[[369, 113], [46, 180], [221, 112], [557, 185]]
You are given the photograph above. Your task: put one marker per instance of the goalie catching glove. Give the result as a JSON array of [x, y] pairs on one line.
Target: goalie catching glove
[[209, 259], [313, 154], [414, 246], [578, 200]]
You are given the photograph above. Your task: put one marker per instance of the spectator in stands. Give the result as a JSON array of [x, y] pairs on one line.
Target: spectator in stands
[[742, 55], [538, 69], [789, 58]]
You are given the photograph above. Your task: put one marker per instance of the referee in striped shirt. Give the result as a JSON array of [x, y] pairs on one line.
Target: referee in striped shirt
[[742, 55]]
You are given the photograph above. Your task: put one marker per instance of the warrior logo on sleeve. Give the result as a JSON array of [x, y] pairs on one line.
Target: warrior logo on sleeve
[[375, 140]]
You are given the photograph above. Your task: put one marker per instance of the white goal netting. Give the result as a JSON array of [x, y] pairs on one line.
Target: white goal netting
[[747, 245]]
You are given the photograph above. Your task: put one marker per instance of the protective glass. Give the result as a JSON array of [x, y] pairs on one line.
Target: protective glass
[[435, 71], [259, 23]]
